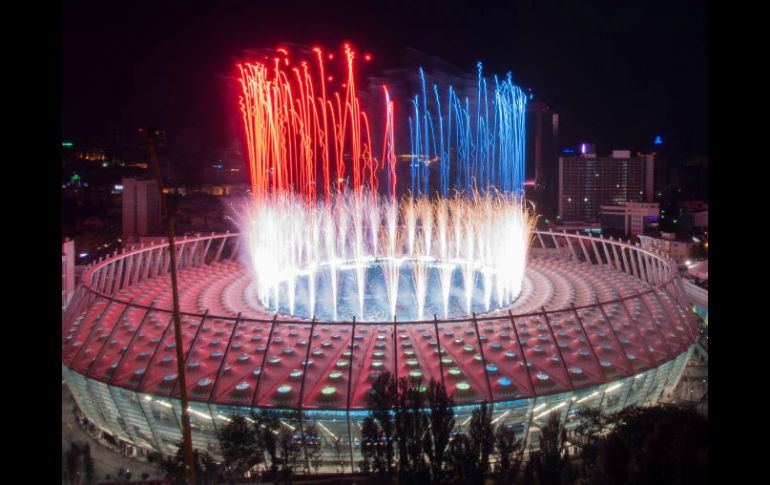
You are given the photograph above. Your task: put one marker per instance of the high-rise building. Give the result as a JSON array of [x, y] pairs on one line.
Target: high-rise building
[[586, 182], [542, 155], [658, 151], [649, 176], [632, 218], [141, 208]]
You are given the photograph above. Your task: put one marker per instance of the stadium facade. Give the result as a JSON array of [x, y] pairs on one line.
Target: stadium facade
[[599, 323]]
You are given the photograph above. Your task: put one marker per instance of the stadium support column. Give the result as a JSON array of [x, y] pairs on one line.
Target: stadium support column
[[95, 277], [119, 408], [156, 263], [137, 257], [588, 339], [74, 307], [205, 251], [350, 381], [652, 266], [94, 327], [194, 253], [148, 265], [529, 379], [234, 254], [649, 381], [151, 364], [395, 351], [115, 277], [614, 334], [126, 279], [140, 386], [115, 327], [484, 363], [556, 243], [167, 259], [661, 270], [572, 248], [642, 273], [440, 354], [583, 247], [654, 324], [105, 277], [212, 394], [262, 365], [558, 349], [180, 257], [521, 353], [673, 316], [302, 393], [643, 342], [630, 268], [218, 256], [632, 251], [596, 251], [618, 262], [606, 252]]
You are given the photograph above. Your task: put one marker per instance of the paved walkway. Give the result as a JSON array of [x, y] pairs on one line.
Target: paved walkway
[[107, 461]]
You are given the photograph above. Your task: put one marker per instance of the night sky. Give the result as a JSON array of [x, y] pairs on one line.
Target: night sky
[[618, 73]]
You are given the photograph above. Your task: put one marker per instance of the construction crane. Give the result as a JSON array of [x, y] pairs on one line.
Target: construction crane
[[151, 137]]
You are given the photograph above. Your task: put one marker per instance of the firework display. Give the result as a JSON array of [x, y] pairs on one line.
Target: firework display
[[336, 279], [484, 146], [299, 135], [465, 252], [303, 250]]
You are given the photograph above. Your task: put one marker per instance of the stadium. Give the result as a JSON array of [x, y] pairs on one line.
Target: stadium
[[598, 323], [329, 284]]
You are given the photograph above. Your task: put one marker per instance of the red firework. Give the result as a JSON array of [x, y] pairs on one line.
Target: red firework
[[296, 134]]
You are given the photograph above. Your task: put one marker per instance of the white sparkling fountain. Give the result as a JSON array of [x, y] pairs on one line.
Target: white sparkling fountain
[[366, 257]]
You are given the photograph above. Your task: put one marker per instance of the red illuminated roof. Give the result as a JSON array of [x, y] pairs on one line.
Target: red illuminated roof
[[239, 354]]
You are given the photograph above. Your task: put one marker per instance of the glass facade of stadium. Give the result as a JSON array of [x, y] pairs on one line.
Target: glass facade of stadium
[[153, 422], [610, 355]]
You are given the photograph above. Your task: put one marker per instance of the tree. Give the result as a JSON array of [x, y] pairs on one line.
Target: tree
[[412, 431], [206, 468], [240, 447], [173, 468], [551, 462], [461, 467], [382, 401], [481, 435], [370, 441], [283, 439], [587, 437], [442, 422], [509, 452], [288, 453], [266, 426], [638, 450]]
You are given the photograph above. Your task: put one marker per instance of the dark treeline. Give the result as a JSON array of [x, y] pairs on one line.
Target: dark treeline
[[410, 437]]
